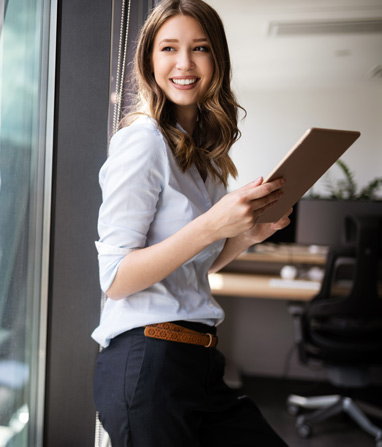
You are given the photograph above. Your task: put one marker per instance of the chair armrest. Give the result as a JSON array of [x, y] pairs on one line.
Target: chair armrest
[[297, 311]]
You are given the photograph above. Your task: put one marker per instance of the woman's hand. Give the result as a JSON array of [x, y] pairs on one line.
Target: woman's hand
[[238, 211], [262, 231]]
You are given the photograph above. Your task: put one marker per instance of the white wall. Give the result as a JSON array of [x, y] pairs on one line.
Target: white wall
[[277, 119]]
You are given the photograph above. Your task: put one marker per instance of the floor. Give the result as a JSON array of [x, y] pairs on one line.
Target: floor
[[271, 395]]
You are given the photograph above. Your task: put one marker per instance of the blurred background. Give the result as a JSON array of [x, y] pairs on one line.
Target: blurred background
[[305, 63]]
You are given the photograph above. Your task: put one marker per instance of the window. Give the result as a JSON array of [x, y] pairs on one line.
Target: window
[[26, 98]]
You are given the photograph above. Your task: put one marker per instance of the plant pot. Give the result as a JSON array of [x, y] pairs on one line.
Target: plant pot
[[321, 221]]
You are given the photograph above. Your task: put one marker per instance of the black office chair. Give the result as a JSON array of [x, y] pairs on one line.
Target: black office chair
[[344, 332]]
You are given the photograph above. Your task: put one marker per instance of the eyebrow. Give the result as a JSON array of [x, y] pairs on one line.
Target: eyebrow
[[202, 39]]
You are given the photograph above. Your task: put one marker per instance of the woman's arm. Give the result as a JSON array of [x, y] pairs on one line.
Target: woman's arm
[[235, 214]]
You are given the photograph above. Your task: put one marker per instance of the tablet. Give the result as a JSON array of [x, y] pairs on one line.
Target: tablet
[[305, 163]]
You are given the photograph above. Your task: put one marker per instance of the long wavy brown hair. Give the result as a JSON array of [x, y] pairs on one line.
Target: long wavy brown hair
[[216, 129]]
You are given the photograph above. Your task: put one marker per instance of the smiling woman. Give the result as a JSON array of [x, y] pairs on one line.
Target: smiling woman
[[165, 221], [217, 111]]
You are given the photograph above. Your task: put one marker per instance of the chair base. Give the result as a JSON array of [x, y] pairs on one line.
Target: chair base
[[327, 406]]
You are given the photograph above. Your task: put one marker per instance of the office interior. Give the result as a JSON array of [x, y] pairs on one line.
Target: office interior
[[296, 64]]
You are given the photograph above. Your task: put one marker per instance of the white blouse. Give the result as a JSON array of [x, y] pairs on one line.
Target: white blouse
[[147, 198]]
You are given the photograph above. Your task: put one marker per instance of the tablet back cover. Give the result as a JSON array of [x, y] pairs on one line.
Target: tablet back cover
[[305, 163]]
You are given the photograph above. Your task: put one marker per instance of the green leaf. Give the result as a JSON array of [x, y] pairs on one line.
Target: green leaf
[[369, 191]]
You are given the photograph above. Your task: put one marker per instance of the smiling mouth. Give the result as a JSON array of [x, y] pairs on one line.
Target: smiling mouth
[[188, 81]]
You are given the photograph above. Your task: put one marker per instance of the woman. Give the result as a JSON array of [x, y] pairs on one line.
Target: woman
[[165, 222]]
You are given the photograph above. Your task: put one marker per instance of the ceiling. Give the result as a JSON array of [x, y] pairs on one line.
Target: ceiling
[[332, 43]]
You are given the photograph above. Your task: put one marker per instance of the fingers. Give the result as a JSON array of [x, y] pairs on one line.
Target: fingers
[[265, 195], [283, 222], [247, 203], [263, 203], [257, 190], [266, 188], [252, 184]]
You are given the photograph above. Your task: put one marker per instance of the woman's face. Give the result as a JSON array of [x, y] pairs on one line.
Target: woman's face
[[182, 62]]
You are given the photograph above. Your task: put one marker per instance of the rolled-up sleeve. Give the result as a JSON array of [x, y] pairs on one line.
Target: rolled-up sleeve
[[131, 181]]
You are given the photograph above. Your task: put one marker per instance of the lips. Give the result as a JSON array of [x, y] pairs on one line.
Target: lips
[[184, 81]]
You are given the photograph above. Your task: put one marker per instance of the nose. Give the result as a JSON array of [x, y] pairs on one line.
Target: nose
[[184, 61]]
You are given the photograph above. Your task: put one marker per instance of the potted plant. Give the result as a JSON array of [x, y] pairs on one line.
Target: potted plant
[[346, 188]]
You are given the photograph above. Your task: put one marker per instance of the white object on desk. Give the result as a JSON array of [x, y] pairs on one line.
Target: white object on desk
[[288, 272], [294, 284], [316, 274]]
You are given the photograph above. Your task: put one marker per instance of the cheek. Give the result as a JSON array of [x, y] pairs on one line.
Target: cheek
[[159, 79], [160, 70], [155, 64]]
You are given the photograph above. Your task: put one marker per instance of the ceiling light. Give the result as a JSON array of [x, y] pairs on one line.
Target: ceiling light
[[297, 28]]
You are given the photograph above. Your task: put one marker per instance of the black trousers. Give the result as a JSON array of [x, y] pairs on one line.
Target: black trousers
[[151, 392]]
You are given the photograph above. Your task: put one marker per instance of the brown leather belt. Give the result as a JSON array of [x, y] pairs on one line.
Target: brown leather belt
[[173, 332]]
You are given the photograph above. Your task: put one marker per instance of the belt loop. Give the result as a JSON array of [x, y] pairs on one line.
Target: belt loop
[[210, 341]]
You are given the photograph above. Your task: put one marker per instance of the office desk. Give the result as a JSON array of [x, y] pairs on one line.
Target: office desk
[[262, 286], [257, 274]]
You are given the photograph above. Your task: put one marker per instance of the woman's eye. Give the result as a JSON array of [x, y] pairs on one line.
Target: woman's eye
[[168, 49], [203, 49]]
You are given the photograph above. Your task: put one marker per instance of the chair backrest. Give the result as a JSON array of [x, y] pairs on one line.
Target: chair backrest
[[363, 250], [348, 329]]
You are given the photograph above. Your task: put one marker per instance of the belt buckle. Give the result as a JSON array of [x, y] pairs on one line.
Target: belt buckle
[[208, 345]]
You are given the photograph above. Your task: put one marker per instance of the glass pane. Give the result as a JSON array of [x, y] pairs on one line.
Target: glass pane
[[23, 94]]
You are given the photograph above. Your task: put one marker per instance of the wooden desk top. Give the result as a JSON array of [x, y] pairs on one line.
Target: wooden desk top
[[247, 277], [287, 254], [262, 286]]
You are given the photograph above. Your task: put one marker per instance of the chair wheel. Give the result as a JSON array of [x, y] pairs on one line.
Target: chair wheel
[[304, 430], [293, 409]]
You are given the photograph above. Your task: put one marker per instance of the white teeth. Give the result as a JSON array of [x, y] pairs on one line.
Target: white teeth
[[184, 81]]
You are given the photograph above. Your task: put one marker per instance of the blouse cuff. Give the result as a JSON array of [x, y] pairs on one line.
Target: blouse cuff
[[107, 249]]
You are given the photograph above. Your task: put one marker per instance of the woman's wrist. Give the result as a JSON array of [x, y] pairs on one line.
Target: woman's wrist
[[206, 229], [244, 241]]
